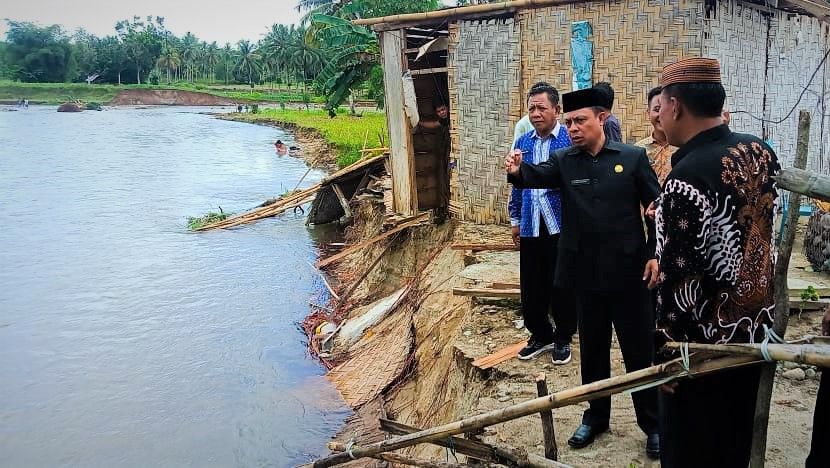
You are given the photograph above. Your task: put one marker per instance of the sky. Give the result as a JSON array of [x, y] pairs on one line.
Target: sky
[[209, 20]]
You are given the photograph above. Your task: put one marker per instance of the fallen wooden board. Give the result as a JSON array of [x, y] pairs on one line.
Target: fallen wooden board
[[798, 304], [487, 292], [338, 256], [500, 356], [484, 247]]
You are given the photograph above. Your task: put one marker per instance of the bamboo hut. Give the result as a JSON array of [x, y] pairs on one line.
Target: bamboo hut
[[484, 58]]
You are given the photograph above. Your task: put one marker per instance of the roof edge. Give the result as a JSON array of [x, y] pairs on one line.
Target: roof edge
[[495, 8]]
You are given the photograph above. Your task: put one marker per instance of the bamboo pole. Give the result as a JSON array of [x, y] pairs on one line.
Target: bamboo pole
[[599, 389], [548, 430], [782, 300], [403, 460], [812, 354], [494, 8], [808, 183], [365, 274]]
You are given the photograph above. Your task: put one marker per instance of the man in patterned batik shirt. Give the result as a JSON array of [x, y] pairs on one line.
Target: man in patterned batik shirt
[[714, 243], [658, 150], [535, 218]]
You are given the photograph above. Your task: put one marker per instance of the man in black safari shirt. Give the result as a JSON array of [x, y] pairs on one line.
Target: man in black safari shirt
[[604, 256]]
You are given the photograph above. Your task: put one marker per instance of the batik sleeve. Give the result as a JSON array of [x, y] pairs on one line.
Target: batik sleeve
[[514, 206]]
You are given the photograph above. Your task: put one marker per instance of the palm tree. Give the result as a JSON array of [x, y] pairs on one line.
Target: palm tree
[[211, 59], [306, 57], [248, 60], [228, 58], [169, 60], [189, 46], [275, 47]]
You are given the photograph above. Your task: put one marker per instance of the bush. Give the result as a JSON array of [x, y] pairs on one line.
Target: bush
[[93, 106]]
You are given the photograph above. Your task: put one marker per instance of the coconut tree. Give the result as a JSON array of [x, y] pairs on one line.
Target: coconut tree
[[248, 61], [212, 57], [306, 57], [169, 60]]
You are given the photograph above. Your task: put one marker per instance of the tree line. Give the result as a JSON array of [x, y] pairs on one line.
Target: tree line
[[324, 52]]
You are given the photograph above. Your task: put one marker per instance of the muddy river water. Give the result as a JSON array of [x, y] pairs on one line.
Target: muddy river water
[[126, 340]]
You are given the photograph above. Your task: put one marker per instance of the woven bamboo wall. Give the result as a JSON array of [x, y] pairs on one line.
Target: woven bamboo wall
[[485, 102], [736, 34], [797, 45], [633, 40]]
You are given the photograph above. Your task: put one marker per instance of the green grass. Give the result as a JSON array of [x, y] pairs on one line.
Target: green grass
[[344, 132], [210, 218], [58, 93]]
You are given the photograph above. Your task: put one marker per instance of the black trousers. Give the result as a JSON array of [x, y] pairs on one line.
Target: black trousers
[[820, 451], [708, 420], [629, 312], [540, 299]]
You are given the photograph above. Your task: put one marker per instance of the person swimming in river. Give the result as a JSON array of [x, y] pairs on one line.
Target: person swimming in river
[[282, 150]]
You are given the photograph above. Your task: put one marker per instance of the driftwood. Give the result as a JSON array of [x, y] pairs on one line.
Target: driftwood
[[661, 373], [782, 299], [477, 449], [401, 459]]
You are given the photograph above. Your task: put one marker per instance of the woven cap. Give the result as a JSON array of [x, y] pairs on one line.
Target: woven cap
[[589, 97], [691, 70]]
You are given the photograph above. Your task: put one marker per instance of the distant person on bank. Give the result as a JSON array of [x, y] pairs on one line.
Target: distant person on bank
[[535, 219], [604, 256]]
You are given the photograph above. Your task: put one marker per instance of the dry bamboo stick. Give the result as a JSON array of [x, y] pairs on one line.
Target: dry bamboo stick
[[672, 369], [812, 354], [782, 300], [363, 276], [503, 455], [372, 150], [310, 167], [291, 201], [403, 460], [460, 11], [483, 247], [487, 292], [353, 167]]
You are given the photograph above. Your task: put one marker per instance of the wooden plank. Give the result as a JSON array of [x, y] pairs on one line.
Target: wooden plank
[[404, 196], [483, 247], [808, 183], [500, 356], [487, 292], [428, 71], [338, 256], [347, 212]]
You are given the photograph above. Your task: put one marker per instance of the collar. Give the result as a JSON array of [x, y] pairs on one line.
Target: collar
[[553, 133], [702, 138], [613, 146]]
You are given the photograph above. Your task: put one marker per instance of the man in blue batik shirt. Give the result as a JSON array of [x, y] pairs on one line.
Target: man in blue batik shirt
[[535, 218]]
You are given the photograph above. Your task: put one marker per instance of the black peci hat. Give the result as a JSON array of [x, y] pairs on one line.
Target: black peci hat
[[589, 97]]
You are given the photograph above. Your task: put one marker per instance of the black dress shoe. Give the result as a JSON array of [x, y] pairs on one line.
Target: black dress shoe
[[584, 435], [653, 446]]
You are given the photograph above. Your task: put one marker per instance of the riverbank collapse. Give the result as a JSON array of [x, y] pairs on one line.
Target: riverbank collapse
[[410, 344]]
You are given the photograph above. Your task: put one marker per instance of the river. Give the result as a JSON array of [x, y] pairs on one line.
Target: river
[[126, 340]]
